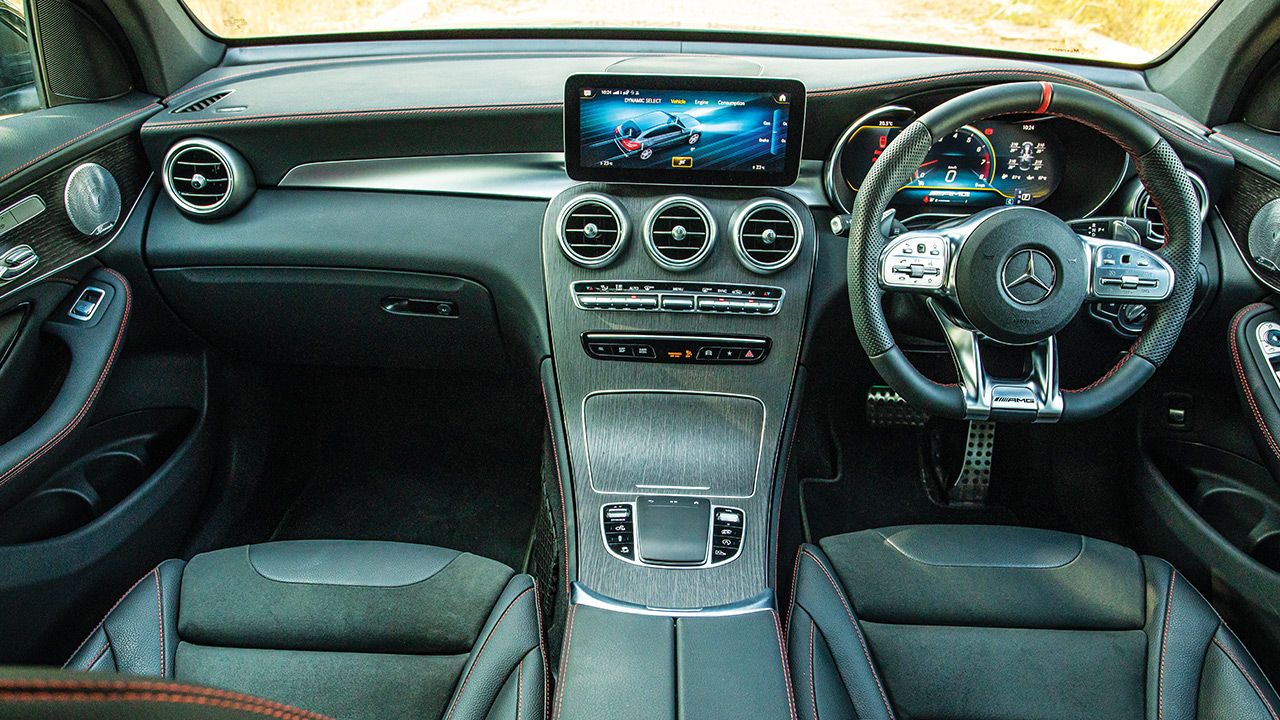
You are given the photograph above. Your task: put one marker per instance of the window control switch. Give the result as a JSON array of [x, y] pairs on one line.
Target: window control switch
[[87, 304]]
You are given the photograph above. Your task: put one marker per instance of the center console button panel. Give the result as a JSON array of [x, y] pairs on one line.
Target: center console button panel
[[682, 349], [673, 531], [733, 298]]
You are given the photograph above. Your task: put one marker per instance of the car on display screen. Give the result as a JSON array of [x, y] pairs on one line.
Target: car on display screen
[[648, 132], [521, 360]]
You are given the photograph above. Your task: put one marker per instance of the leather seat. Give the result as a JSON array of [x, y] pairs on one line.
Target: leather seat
[[1002, 622], [348, 629]]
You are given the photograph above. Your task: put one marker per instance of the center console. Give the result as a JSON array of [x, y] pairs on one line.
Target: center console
[[676, 314]]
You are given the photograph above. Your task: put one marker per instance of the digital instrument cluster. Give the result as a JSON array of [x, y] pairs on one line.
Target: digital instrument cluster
[[990, 163]]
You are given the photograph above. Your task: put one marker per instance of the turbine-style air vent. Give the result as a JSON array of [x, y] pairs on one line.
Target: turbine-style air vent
[[679, 233], [1144, 207], [202, 103], [767, 235], [205, 177], [592, 230]]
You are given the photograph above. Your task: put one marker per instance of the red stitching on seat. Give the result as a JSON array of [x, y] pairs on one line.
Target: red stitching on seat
[[519, 686], [88, 403], [866, 652], [564, 661], [786, 667], [795, 573], [160, 622], [73, 141], [16, 686], [156, 569], [542, 650], [492, 631], [1247, 676], [98, 656], [564, 513], [166, 698], [813, 692], [1244, 380], [1164, 643]]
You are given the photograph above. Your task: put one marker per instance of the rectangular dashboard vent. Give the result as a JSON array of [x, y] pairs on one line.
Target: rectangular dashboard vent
[[203, 103]]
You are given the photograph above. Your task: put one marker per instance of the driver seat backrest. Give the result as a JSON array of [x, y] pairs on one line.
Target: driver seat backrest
[[348, 629], [1003, 622]]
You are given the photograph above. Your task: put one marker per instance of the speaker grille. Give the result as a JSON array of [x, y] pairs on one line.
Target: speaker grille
[[92, 199], [81, 61]]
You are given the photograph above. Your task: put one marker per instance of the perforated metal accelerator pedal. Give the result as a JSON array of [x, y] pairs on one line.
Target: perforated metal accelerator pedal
[[887, 409], [974, 481]]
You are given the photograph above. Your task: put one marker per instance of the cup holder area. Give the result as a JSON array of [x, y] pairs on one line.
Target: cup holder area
[[119, 456], [1235, 496]]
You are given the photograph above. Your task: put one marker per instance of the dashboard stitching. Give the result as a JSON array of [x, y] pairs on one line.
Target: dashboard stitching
[[425, 110], [72, 141], [1070, 79], [1247, 146], [1244, 380]]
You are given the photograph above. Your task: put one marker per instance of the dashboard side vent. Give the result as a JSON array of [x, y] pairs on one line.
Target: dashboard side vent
[[592, 230], [1142, 205], [202, 103], [767, 235], [679, 233], [207, 178]]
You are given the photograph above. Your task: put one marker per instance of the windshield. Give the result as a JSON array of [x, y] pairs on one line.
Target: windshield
[[1120, 31]]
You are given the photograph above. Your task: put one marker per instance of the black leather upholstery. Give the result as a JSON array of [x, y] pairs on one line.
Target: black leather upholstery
[[1259, 393], [350, 629], [979, 622]]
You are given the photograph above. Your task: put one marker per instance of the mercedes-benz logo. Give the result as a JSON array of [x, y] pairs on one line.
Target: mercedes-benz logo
[[1029, 276]]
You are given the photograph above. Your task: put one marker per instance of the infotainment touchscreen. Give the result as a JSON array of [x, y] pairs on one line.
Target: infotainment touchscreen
[[683, 129]]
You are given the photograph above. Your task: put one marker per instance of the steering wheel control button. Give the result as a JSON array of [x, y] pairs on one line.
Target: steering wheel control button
[[676, 349], [1126, 272], [649, 296], [916, 262]]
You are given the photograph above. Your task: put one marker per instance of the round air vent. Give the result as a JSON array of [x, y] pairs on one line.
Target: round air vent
[[207, 178], [592, 230], [679, 233], [766, 235], [1142, 206]]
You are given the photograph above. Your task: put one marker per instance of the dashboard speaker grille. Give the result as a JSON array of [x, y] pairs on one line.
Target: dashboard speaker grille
[[592, 231], [767, 236], [199, 178], [679, 233], [202, 103]]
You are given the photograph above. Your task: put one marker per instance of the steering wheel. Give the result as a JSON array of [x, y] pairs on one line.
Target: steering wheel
[[1018, 275]]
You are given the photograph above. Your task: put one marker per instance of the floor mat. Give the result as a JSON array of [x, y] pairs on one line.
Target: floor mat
[[875, 478], [452, 463]]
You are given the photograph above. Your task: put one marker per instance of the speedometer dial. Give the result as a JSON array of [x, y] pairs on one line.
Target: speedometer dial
[[989, 163], [958, 166]]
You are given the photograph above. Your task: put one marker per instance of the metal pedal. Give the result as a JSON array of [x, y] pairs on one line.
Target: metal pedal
[[974, 480], [887, 409]]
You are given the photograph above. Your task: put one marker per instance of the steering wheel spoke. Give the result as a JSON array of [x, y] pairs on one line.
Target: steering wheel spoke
[[1127, 273], [1034, 398]]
